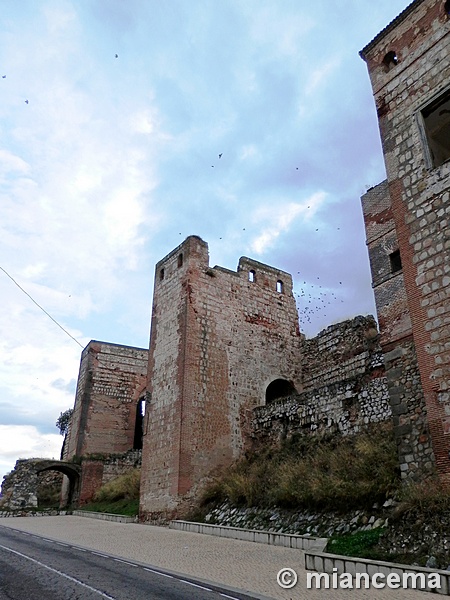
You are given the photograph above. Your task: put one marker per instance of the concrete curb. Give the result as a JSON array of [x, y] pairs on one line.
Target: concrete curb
[[285, 540], [323, 562], [104, 516]]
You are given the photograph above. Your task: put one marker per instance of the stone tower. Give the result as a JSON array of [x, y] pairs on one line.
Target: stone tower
[[221, 342], [408, 228]]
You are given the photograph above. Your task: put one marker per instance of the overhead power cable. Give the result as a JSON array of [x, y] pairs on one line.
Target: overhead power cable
[[39, 306]]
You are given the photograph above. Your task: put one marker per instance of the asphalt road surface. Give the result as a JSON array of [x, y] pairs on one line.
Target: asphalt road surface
[[36, 568]]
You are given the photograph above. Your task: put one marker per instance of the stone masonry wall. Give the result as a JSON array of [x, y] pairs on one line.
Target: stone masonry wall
[[339, 352], [115, 466], [218, 339], [409, 412], [419, 190], [345, 387]]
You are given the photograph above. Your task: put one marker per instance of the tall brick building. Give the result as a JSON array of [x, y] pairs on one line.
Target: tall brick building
[[408, 229]]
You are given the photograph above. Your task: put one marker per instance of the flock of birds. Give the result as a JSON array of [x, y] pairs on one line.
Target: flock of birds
[[311, 302]]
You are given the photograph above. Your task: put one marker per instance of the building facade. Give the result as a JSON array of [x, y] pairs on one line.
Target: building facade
[[408, 228]]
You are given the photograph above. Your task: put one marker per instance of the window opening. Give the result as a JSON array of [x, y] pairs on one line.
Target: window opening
[[251, 276], [180, 260], [279, 286], [161, 274], [139, 424], [396, 261], [436, 120], [447, 7], [390, 59]]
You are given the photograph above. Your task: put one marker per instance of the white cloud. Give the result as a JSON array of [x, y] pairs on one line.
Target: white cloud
[[25, 441], [280, 218], [110, 161], [320, 75]]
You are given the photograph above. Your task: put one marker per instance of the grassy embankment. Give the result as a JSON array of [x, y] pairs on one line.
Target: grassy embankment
[[338, 474]]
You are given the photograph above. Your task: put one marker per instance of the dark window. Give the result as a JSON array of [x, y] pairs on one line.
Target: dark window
[[280, 388], [180, 260], [161, 274], [447, 7], [251, 276], [138, 427], [279, 286], [390, 59], [436, 119], [396, 261]]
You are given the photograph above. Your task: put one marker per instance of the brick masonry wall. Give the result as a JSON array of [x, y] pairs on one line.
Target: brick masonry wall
[[217, 341], [419, 193], [110, 383], [389, 288], [91, 480]]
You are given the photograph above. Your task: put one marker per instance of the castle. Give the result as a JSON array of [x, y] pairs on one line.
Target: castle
[[227, 364]]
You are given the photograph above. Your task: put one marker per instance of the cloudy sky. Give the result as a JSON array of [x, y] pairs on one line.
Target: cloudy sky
[[112, 118]]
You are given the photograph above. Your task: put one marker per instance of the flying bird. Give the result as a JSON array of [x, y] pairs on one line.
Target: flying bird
[[116, 55], [26, 101], [220, 155], [3, 76]]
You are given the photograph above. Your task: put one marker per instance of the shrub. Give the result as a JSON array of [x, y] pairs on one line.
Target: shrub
[[313, 473], [123, 487]]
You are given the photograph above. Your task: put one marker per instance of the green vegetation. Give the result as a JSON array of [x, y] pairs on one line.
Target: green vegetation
[[62, 423], [120, 496], [429, 499], [361, 544], [129, 508], [312, 473]]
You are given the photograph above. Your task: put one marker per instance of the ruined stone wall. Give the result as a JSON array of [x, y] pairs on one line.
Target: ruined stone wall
[[111, 381], [218, 339], [345, 386], [115, 466], [404, 90], [342, 351], [19, 487]]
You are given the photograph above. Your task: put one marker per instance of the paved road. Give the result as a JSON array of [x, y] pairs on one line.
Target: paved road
[[35, 568], [234, 564]]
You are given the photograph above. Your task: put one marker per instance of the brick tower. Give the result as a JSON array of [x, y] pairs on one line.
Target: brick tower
[[408, 229], [220, 341]]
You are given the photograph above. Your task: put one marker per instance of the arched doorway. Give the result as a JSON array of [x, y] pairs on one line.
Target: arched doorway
[[70, 492], [279, 388]]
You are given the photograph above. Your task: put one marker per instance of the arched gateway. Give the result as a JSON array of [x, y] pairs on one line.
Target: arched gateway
[[20, 487]]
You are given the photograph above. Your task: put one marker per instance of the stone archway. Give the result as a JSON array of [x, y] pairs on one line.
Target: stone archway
[[279, 388], [70, 492], [19, 488]]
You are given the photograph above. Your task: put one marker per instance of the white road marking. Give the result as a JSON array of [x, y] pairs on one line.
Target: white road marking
[[57, 572], [98, 554], [202, 587], [159, 573], [232, 597]]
